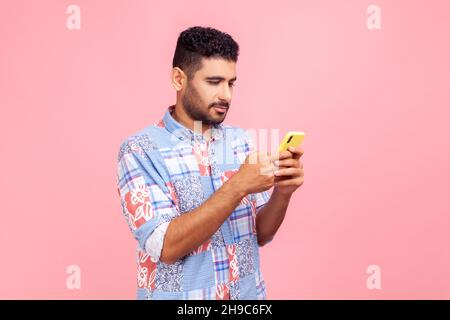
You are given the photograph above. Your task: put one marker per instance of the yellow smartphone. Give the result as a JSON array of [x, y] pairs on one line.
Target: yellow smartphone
[[291, 139]]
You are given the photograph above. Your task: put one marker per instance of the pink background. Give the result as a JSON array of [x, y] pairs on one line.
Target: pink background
[[374, 104]]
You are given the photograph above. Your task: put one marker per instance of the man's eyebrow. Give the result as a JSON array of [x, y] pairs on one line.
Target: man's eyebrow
[[217, 78]]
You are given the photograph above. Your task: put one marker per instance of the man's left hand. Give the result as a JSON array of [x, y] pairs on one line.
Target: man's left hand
[[290, 174]]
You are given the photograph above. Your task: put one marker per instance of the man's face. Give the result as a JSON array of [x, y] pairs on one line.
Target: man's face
[[208, 95]]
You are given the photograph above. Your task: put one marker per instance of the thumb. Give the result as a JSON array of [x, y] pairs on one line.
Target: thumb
[[252, 158]]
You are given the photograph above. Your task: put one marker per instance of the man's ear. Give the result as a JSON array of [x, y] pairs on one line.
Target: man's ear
[[178, 78]]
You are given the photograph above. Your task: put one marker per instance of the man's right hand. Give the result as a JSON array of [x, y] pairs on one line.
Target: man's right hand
[[256, 173], [191, 229]]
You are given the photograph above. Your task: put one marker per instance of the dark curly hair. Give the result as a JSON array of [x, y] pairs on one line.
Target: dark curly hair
[[197, 42]]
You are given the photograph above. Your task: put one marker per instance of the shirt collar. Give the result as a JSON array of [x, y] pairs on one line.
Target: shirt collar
[[186, 134]]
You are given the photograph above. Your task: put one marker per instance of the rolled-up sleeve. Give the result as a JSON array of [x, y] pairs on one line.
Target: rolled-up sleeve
[[148, 202]]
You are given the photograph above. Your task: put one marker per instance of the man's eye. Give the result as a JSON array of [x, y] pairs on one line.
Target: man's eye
[[214, 82], [232, 84]]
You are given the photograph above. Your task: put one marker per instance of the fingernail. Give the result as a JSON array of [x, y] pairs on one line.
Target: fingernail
[[277, 162]]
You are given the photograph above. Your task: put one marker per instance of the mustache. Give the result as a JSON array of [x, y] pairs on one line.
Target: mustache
[[220, 104]]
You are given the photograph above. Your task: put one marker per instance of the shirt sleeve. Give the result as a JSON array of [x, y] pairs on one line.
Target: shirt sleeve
[[148, 202], [155, 242], [261, 199]]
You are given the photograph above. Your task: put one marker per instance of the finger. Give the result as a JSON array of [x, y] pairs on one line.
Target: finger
[[252, 158], [297, 152], [285, 155], [258, 157], [291, 182], [288, 163], [278, 179], [288, 172], [268, 170], [280, 155]]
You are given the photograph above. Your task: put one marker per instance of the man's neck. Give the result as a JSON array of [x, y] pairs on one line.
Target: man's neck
[[181, 117]]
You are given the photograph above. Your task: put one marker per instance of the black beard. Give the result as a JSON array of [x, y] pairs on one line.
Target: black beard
[[190, 101]]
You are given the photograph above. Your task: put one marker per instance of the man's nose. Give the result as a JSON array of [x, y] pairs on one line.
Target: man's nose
[[225, 93]]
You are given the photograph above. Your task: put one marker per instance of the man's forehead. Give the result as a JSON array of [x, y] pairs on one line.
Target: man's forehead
[[212, 67]]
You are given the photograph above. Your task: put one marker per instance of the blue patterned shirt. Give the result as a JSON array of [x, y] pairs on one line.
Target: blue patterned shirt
[[166, 170]]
